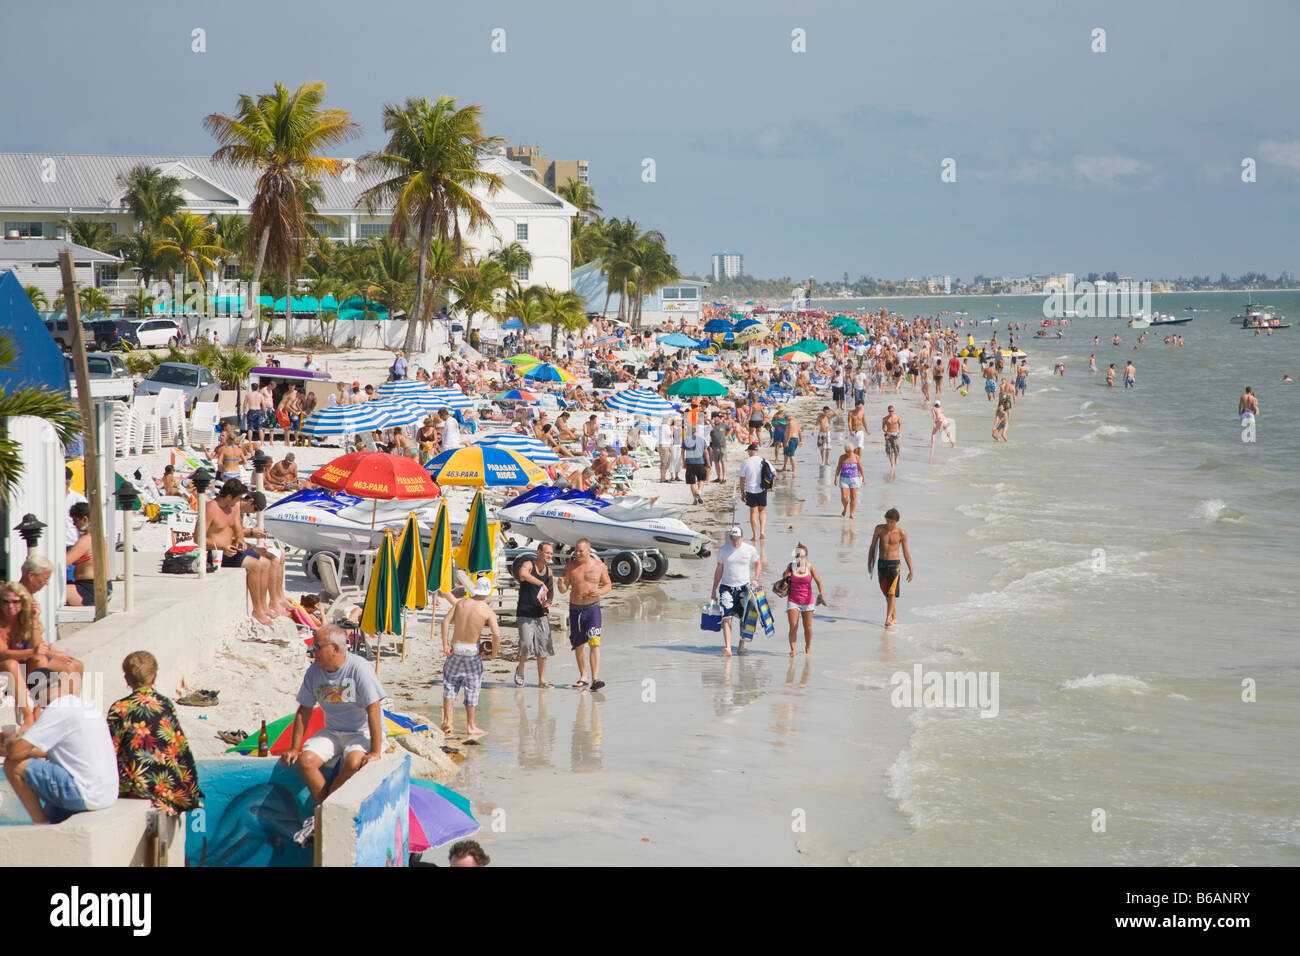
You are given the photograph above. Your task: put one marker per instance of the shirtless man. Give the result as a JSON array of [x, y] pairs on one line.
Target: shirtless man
[[1110, 376], [892, 426], [230, 458], [824, 434], [890, 536], [463, 667], [1248, 406], [590, 430], [990, 381], [585, 579], [283, 475], [1130, 375], [858, 426], [291, 405], [225, 532], [793, 432]]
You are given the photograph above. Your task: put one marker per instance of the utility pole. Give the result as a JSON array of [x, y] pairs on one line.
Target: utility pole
[[90, 437]]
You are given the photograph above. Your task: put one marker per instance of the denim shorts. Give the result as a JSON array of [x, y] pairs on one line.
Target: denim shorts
[[56, 788]]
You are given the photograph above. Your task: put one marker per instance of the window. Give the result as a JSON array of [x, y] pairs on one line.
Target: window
[[174, 375], [30, 229], [521, 232], [669, 293], [522, 274], [371, 230], [689, 292]]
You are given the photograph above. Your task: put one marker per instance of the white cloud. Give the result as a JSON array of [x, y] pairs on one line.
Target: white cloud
[[1286, 155], [1104, 170]]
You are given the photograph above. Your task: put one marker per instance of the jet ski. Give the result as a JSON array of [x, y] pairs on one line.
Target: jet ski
[[629, 523], [516, 514], [316, 520]]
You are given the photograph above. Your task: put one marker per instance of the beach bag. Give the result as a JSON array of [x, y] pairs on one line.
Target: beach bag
[[766, 480], [781, 588], [181, 560], [711, 617]]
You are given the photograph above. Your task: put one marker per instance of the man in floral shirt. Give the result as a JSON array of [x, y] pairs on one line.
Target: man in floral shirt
[[154, 761]]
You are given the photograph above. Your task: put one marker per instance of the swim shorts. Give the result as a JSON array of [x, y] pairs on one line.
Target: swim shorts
[[891, 444], [837, 392], [254, 419], [584, 625], [756, 499], [823, 440], [791, 446], [989, 386], [859, 439], [696, 472], [535, 637], [891, 577], [236, 560], [462, 672], [734, 600], [86, 588]]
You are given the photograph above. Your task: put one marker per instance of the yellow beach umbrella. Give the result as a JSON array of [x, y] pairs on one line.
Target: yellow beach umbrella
[[382, 613]]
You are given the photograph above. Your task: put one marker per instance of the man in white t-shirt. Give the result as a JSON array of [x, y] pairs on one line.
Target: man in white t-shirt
[[450, 430], [665, 432], [735, 575], [71, 497], [751, 486], [350, 695], [65, 762]]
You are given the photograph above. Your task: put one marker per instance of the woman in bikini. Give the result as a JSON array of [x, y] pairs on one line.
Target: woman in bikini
[[20, 645]]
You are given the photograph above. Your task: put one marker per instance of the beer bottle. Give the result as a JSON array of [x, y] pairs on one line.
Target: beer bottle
[[263, 742]]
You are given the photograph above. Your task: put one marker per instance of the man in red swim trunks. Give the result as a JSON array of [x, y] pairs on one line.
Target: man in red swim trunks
[[891, 537]]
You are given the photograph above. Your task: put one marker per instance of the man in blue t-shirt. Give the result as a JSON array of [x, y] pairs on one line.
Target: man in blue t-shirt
[[347, 690]]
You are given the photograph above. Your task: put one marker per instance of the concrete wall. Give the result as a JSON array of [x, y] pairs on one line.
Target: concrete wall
[[337, 819], [116, 836], [174, 619]]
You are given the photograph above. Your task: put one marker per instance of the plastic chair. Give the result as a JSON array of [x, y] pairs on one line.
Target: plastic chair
[[144, 412]]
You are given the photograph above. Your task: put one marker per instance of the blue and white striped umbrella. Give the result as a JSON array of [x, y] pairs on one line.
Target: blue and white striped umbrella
[[639, 401], [526, 445], [402, 388], [343, 420], [451, 398], [395, 413]]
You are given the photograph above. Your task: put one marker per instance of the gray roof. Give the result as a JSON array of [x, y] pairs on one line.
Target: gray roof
[[47, 250], [85, 182]]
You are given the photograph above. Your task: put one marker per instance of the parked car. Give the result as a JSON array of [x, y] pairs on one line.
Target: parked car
[[62, 333], [195, 381], [101, 366], [113, 334], [158, 333]]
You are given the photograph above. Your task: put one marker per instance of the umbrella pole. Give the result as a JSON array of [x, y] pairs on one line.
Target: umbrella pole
[[403, 635]]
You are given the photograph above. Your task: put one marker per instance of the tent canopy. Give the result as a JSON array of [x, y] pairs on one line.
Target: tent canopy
[[41, 362]]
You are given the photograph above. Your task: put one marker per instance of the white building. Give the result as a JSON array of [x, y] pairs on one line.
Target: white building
[[36, 262], [40, 191], [728, 265]]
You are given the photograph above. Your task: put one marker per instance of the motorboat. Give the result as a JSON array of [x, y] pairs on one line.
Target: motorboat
[[1259, 317], [631, 523], [1170, 320], [316, 520], [516, 514]]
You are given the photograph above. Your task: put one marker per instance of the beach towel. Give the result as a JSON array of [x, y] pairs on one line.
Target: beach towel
[[757, 612]]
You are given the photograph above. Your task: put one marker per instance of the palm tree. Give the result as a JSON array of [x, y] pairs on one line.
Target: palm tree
[[280, 134], [93, 301], [189, 242], [141, 252], [620, 235], [477, 289], [579, 193], [150, 196], [231, 367], [513, 259], [37, 403], [93, 234], [564, 311], [36, 295], [651, 269], [140, 303], [431, 166], [525, 305], [587, 240], [231, 234]]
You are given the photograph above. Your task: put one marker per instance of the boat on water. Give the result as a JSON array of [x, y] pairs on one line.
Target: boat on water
[[1170, 320], [628, 523], [1259, 317]]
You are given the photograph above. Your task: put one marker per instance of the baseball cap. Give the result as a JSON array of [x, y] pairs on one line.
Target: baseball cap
[[258, 499], [753, 446], [735, 532], [482, 587], [356, 384], [936, 404]]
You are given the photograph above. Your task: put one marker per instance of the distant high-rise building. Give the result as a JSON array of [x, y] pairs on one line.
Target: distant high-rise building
[[728, 265], [557, 174]]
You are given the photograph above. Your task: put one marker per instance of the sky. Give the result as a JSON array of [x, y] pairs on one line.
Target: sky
[[809, 137]]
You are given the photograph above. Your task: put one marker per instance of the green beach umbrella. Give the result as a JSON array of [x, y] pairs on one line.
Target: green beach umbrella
[[474, 554], [438, 562], [697, 385], [410, 566], [811, 346], [382, 613]]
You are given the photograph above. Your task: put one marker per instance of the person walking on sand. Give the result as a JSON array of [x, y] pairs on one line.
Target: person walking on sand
[[858, 430], [892, 427], [536, 591], [848, 475], [751, 486], [941, 424], [793, 432], [734, 579], [463, 667], [890, 537], [585, 579], [824, 435], [799, 577]]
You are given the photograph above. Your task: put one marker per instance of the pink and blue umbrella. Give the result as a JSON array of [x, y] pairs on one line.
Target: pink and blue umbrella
[[438, 815]]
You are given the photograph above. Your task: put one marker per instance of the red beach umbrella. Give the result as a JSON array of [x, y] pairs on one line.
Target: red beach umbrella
[[376, 474]]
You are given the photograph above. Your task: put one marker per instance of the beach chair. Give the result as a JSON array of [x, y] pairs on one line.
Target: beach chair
[[165, 409], [331, 590], [147, 433], [368, 440], [121, 429], [205, 423]]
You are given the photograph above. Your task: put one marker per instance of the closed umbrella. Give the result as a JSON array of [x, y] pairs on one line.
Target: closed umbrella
[[438, 575], [474, 553], [279, 732], [411, 576], [382, 612]]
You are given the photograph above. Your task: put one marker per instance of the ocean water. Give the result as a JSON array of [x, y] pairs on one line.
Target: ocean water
[[1135, 576]]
